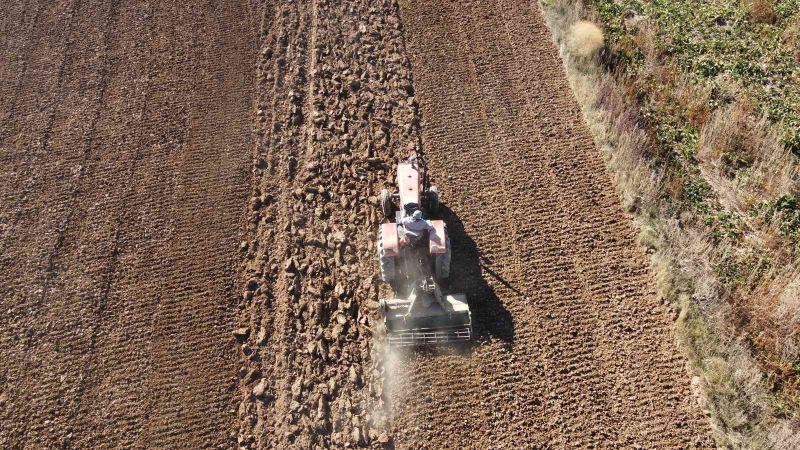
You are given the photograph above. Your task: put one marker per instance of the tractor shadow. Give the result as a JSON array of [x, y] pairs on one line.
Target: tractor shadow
[[469, 270]]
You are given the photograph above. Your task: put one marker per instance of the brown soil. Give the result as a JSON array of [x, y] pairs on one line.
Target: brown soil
[[124, 154], [587, 357], [175, 173]]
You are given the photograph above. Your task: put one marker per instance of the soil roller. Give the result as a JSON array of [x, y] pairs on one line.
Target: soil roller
[[414, 254]]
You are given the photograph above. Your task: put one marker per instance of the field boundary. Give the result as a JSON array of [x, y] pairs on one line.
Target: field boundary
[[726, 379]]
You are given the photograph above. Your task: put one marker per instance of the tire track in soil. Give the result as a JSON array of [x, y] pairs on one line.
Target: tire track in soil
[[25, 148], [18, 24], [131, 347], [283, 155], [44, 399], [588, 353]]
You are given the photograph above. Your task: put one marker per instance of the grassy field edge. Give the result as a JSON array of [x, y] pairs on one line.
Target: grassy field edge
[[729, 384]]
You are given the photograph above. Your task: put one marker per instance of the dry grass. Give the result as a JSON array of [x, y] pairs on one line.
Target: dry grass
[[733, 139], [775, 170], [695, 99], [760, 11], [736, 395], [646, 39], [624, 144], [726, 133], [777, 323], [585, 39], [791, 37], [734, 391]]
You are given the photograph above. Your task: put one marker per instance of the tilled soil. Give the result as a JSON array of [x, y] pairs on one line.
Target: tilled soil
[[581, 351], [124, 153], [188, 220]]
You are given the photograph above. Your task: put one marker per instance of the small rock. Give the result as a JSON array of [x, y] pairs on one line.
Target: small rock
[[297, 387], [340, 237], [322, 408], [314, 242], [262, 336], [260, 389]]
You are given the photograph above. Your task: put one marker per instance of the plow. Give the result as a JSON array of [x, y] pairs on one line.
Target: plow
[[414, 253]]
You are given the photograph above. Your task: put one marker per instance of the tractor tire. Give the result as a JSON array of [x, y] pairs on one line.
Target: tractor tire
[[442, 262], [433, 200], [388, 269], [383, 307], [386, 203]]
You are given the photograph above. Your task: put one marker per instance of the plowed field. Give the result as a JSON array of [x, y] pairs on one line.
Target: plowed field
[[125, 152], [187, 216]]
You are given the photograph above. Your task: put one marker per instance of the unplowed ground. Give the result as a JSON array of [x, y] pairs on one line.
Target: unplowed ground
[[173, 173]]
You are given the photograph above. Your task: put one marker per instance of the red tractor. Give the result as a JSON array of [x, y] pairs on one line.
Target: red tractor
[[414, 253]]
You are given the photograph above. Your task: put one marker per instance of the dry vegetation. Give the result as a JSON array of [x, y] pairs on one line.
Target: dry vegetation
[[707, 174], [791, 37], [760, 11], [585, 39], [742, 157]]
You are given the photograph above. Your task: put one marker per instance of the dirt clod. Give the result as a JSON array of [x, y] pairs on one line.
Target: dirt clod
[[241, 333]]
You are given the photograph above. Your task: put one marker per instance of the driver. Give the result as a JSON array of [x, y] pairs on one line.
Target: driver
[[415, 226]]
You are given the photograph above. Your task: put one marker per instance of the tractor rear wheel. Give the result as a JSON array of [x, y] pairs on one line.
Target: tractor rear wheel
[[433, 200], [386, 203], [442, 262]]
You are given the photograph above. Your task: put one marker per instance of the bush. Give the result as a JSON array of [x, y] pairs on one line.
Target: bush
[[585, 39]]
